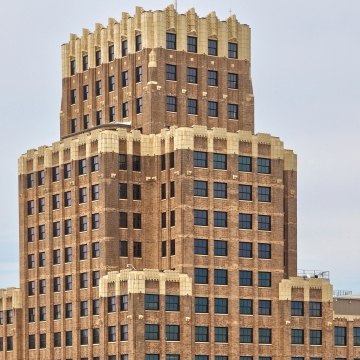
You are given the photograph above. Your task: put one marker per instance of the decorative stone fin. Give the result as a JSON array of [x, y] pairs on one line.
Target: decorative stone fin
[[138, 11], [123, 23], [170, 18], [192, 21], [212, 22], [232, 28]]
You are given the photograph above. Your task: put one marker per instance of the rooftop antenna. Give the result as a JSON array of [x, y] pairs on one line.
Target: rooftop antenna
[[230, 11], [175, 4]]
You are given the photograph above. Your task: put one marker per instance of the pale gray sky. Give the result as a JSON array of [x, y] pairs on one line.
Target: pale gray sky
[[306, 78]]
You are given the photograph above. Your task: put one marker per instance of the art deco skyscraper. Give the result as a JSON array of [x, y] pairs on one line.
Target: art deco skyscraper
[[161, 226]]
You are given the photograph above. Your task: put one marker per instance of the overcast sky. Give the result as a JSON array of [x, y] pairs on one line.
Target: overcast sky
[[306, 78]]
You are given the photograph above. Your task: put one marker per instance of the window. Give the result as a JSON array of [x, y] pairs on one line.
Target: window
[[137, 221], [163, 191], [172, 189], [151, 302], [163, 220], [55, 173], [125, 110], [9, 316], [172, 357], [138, 44], [42, 342], [124, 48], [264, 307], [56, 228], [245, 249], [82, 166], [94, 163], [30, 180], [42, 313], [201, 275], [201, 357], [200, 159], [73, 125], [83, 223], [220, 190], [123, 191], [72, 96], [95, 192], [192, 75], [221, 306], [212, 108], [192, 44], [31, 261], [41, 177], [111, 52], [67, 198], [221, 334], [246, 335], [201, 217], [95, 278], [56, 284], [85, 62], [201, 333], [212, 47], [95, 336], [171, 41], [171, 103], [200, 246], [124, 78], [264, 222], [245, 278], [68, 254], [340, 336], [122, 162], [220, 161], [245, 221], [95, 250], [151, 332], [245, 307], [82, 195], [2, 317], [163, 162], [201, 305], [97, 57], [30, 207], [171, 160], [98, 87], [152, 357], [41, 232], [124, 304], [31, 342], [264, 278], [95, 221], [172, 303], [84, 336], [220, 219], [68, 282], [42, 259], [232, 81], [42, 286], [172, 333], [56, 202], [111, 83], [67, 227], [72, 67], [233, 111], [232, 50], [98, 117], [212, 78], [220, 277], [84, 310], [264, 336], [139, 105], [137, 249], [112, 113], [264, 194], [138, 74], [192, 106], [68, 338], [85, 92], [245, 164], [264, 166], [68, 310], [31, 234], [163, 248], [111, 333], [245, 192], [315, 309], [297, 336], [57, 311], [316, 337], [297, 308], [123, 248], [96, 306], [83, 280], [264, 251], [124, 332], [172, 218], [220, 248], [123, 222]]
